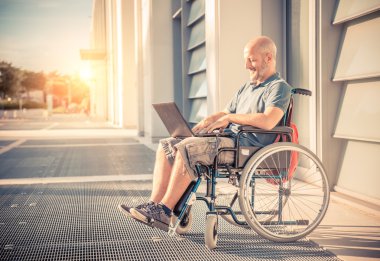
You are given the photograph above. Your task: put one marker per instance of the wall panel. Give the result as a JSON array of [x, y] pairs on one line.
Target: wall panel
[[350, 9], [359, 117], [360, 169], [359, 57]]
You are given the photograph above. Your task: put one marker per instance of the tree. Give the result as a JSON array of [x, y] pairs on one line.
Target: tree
[[33, 81], [9, 76]]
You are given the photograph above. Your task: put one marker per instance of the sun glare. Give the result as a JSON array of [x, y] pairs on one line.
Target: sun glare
[[86, 73]]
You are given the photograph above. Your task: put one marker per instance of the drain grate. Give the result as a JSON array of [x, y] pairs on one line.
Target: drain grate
[[81, 222]]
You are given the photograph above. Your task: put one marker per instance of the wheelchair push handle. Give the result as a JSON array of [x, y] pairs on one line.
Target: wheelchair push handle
[[301, 91]]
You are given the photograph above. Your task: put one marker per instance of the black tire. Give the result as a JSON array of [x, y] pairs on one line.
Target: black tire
[[185, 224]]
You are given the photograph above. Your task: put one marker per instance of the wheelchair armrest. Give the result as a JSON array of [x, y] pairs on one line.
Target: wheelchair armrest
[[301, 91], [275, 130]]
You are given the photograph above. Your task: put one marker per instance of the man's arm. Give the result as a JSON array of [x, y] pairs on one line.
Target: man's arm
[[266, 120]]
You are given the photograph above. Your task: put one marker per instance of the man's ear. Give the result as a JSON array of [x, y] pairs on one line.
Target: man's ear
[[268, 57]]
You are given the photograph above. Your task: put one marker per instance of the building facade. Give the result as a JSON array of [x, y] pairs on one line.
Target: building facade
[[190, 52]]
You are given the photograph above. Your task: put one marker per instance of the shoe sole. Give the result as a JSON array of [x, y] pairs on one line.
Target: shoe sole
[[137, 215], [147, 224], [128, 214], [125, 212], [143, 219], [160, 225]]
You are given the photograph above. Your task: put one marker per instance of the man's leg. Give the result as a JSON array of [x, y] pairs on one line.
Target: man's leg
[[179, 181], [161, 213], [161, 175]]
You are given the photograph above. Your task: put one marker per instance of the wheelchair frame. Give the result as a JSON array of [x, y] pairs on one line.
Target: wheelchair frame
[[238, 174]]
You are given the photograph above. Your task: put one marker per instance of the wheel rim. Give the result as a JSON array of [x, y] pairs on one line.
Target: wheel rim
[[304, 195]]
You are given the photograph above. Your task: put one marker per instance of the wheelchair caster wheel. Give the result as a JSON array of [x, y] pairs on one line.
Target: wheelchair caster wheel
[[211, 233], [185, 225]]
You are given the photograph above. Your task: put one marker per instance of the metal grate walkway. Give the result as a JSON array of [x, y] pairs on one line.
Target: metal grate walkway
[[81, 222]]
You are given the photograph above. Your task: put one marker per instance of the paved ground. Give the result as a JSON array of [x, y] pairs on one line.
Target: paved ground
[[63, 158], [73, 217]]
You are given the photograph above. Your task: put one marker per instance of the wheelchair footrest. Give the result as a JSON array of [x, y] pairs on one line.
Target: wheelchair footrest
[[299, 222]]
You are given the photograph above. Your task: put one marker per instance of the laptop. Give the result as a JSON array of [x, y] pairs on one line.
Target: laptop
[[175, 123]]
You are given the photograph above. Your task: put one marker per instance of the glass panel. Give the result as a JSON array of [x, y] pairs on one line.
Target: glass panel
[[198, 86], [198, 110], [350, 9], [360, 57], [360, 112], [197, 10], [197, 60], [197, 34]]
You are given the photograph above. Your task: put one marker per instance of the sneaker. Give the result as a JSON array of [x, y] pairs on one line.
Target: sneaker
[[127, 210], [155, 216]]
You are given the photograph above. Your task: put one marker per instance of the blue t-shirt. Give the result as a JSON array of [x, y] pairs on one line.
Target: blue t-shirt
[[274, 92]]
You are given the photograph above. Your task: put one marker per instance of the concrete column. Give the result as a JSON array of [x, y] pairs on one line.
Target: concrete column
[[329, 150], [130, 111], [110, 61], [156, 62]]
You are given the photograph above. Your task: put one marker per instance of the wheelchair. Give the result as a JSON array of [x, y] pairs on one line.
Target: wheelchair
[[282, 191]]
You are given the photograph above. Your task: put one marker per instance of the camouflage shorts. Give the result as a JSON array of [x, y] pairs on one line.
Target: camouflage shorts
[[198, 150]]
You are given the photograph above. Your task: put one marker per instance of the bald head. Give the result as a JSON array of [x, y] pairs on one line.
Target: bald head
[[262, 45], [260, 58]]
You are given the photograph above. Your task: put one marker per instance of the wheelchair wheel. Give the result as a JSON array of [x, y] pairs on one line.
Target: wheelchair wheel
[[284, 192], [211, 233], [185, 224]]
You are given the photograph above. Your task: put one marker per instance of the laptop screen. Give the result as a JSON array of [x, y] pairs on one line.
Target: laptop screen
[[173, 119]]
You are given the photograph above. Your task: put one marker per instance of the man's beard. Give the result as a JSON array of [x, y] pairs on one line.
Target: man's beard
[[257, 76]]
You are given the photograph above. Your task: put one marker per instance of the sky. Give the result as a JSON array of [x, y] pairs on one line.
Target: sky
[[45, 35]]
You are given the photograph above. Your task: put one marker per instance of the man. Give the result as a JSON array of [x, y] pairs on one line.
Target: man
[[260, 103]]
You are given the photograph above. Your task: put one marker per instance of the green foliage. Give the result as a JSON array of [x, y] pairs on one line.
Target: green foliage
[[33, 81], [8, 79]]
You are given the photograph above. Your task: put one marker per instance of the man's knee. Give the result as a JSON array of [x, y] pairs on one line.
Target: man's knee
[[162, 156], [160, 149], [166, 149], [160, 153], [178, 160]]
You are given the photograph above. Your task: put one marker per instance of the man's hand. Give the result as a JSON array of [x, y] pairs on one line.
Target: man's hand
[[204, 124], [220, 124]]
